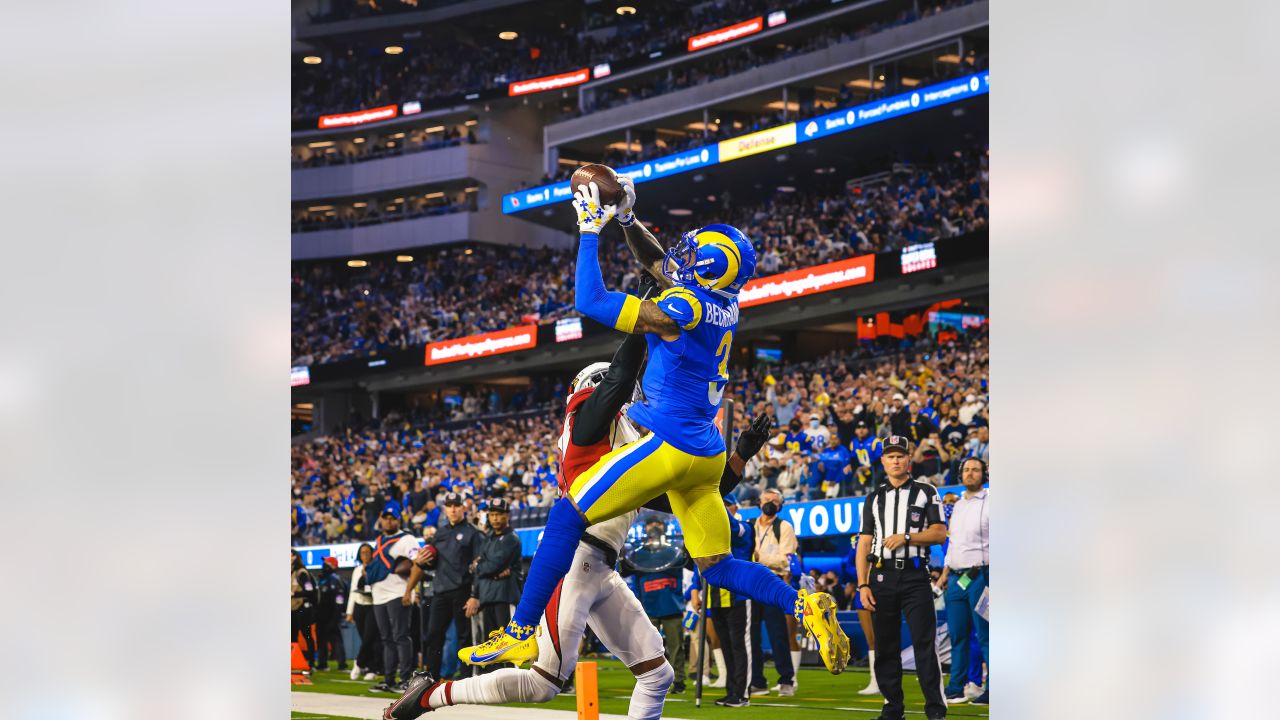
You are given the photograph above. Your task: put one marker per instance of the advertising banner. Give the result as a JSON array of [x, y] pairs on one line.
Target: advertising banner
[[359, 117], [550, 82], [521, 337], [726, 34], [799, 283]]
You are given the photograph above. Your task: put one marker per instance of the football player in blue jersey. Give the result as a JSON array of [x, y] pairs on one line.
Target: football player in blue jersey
[[689, 331]]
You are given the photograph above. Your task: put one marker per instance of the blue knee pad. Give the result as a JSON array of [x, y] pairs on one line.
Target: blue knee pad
[[551, 562], [753, 580]]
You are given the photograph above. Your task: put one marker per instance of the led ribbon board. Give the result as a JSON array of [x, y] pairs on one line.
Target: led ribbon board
[[521, 337], [771, 139]]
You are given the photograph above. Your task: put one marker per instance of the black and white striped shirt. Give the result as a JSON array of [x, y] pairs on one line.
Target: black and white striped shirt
[[909, 509]]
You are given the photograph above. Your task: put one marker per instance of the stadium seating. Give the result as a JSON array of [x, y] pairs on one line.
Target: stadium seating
[[512, 455], [341, 313], [354, 75]]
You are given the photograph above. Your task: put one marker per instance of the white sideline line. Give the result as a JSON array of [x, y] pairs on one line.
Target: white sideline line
[[372, 707]]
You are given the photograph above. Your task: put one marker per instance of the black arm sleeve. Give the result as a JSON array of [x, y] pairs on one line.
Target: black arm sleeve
[[728, 481], [592, 420]]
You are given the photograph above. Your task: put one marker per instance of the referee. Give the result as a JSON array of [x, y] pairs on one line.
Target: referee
[[900, 520]]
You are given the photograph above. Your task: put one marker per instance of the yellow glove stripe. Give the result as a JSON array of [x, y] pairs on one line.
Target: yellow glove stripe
[[626, 321]]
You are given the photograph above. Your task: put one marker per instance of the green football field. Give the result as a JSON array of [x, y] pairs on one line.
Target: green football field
[[819, 692]]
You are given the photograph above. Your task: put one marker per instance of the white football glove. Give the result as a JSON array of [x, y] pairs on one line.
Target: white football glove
[[592, 216], [626, 207]]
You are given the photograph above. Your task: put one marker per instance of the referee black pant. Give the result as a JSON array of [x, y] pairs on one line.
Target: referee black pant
[[447, 607], [898, 594], [731, 627]]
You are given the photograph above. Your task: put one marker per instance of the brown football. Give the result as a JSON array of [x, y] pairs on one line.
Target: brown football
[[604, 177]]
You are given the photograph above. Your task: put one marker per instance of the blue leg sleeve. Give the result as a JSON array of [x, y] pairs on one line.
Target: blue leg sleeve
[[551, 562], [753, 580]]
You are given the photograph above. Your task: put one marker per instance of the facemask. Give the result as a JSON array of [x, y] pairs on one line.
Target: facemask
[[813, 424], [770, 508]]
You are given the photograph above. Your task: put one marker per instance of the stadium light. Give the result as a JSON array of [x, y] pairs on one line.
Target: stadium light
[[404, 258], [508, 35], [357, 263], [393, 49], [312, 60], [626, 10]]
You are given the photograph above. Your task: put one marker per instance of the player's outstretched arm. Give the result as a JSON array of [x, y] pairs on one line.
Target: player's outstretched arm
[[596, 414], [618, 309], [644, 246]]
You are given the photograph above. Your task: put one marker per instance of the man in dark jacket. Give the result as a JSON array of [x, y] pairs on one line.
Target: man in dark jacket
[[457, 544], [497, 570]]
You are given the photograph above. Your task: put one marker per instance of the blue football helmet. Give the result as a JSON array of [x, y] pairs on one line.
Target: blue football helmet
[[718, 258]]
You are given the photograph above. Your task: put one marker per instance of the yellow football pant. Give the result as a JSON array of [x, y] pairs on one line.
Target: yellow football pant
[[637, 472]]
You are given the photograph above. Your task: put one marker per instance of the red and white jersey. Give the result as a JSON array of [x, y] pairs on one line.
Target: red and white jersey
[[575, 459]]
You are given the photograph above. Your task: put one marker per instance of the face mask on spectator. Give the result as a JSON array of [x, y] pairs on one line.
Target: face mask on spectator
[[770, 508]]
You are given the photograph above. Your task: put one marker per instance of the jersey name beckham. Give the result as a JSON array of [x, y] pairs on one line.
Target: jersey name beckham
[[724, 317], [685, 380]]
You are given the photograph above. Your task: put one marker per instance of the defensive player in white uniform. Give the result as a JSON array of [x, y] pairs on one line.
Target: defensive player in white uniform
[[593, 591]]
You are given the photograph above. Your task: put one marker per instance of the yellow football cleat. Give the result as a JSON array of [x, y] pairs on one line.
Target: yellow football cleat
[[513, 644], [818, 611]]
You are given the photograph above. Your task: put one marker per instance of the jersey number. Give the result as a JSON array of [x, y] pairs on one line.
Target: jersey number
[[715, 388]]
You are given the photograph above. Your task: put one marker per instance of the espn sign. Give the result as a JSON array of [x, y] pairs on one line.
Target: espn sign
[[359, 117], [550, 82], [809, 281], [521, 337], [726, 34]]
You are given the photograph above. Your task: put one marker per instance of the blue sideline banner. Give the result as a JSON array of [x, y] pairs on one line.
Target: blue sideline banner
[[819, 518]]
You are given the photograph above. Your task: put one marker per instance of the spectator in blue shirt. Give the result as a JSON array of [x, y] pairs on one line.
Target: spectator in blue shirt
[[866, 452], [834, 471]]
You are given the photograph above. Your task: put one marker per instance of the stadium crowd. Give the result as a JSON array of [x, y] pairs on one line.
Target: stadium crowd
[[340, 313], [828, 415], [359, 76]]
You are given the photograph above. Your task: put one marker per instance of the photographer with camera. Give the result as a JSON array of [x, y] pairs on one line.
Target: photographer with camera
[[660, 595], [333, 598], [775, 544], [306, 596]]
